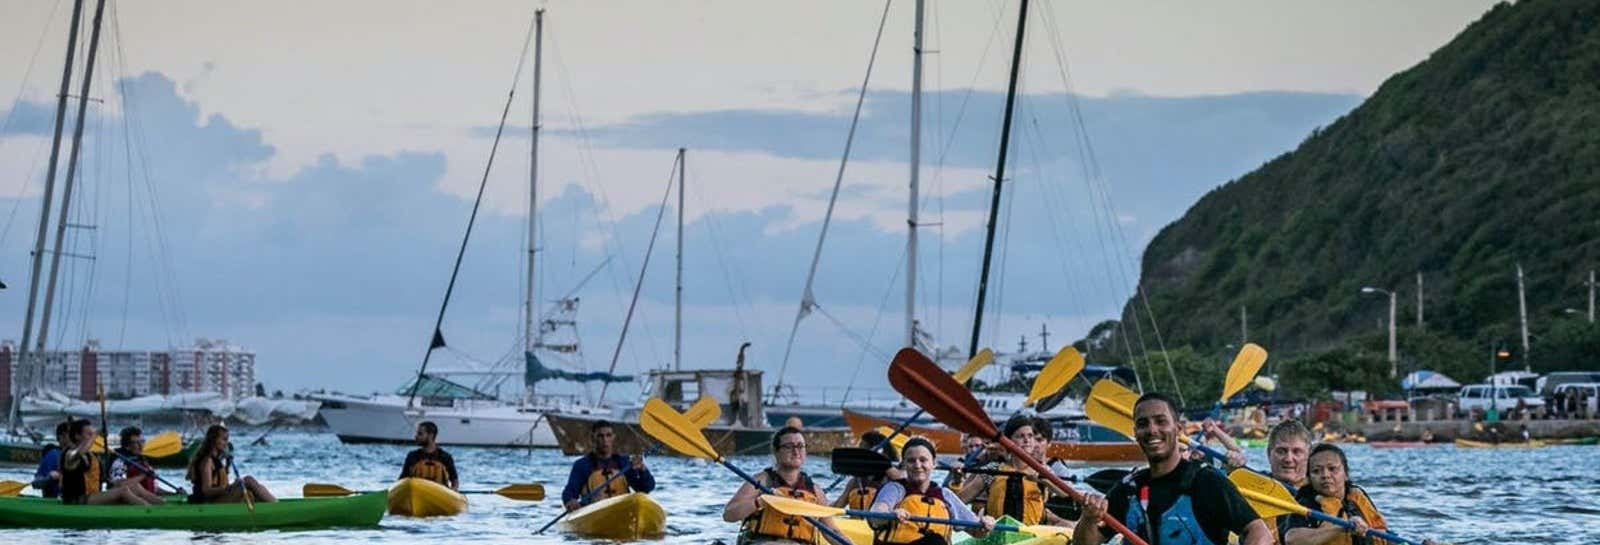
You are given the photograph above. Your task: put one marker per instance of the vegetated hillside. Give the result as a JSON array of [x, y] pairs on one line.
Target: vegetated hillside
[[1485, 155]]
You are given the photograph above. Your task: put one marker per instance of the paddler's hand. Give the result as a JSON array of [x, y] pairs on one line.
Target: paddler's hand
[[55, 475], [988, 522], [1094, 507], [1361, 526], [638, 462], [902, 515], [571, 505]]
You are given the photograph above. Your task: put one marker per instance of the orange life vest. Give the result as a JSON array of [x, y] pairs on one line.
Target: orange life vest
[[1355, 503], [930, 503], [602, 471], [769, 523], [1015, 495], [432, 470]]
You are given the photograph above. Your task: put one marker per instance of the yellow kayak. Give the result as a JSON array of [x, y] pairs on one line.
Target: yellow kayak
[[1467, 443], [424, 498], [629, 516], [857, 531]]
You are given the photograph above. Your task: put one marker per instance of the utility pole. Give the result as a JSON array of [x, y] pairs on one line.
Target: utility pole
[[1522, 310], [1419, 300]]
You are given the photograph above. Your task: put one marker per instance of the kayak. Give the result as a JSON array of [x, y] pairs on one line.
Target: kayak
[[1000, 537], [857, 531], [1399, 444], [629, 516], [415, 497], [1467, 443], [1576, 441], [291, 514]]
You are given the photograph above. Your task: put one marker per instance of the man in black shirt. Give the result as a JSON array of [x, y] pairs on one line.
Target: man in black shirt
[[430, 462], [1174, 501]]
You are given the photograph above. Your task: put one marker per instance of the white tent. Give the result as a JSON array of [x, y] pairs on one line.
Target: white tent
[[1428, 380]]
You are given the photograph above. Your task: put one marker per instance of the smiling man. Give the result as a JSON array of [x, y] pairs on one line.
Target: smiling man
[[1175, 501]]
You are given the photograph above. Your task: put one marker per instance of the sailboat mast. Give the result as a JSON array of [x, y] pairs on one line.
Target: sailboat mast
[[44, 217], [999, 177], [916, 168], [677, 321], [72, 170], [529, 303]]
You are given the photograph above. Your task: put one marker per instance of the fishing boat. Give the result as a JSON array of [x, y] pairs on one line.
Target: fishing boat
[[477, 415], [946, 440], [1096, 452], [1468, 443], [290, 514], [413, 497], [627, 517], [741, 430]]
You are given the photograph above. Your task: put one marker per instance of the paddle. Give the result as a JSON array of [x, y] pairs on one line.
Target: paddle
[[1067, 363], [920, 380], [143, 468], [1243, 369], [859, 462], [802, 508], [677, 433], [896, 439], [965, 373], [517, 491], [702, 413], [249, 502], [161, 445], [11, 488], [1270, 499], [1111, 405]]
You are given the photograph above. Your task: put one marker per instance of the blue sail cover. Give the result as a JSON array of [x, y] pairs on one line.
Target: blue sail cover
[[535, 371]]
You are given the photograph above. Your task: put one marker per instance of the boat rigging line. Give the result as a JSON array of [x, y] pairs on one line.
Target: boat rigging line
[[661, 211]]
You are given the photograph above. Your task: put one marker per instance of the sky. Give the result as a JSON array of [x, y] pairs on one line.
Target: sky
[[295, 177]]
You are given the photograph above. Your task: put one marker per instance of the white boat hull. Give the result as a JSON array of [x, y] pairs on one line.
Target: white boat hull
[[358, 420]]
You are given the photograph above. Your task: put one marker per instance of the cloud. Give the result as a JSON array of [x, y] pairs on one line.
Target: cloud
[[333, 271]]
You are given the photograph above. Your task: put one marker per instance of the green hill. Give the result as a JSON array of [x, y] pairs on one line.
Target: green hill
[[1483, 156]]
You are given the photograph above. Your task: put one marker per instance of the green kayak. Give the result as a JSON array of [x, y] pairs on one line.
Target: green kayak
[[998, 537], [290, 514]]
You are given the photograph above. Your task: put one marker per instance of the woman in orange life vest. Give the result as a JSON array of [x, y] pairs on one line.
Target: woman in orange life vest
[[1018, 493], [594, 469], [858, 491], [1330, 491], [919, 496], [208, 471], [130, 465], [429, 461], [760, 525], [80, 475]]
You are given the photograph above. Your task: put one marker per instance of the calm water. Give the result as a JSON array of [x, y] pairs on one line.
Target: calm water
[[1547, 496]]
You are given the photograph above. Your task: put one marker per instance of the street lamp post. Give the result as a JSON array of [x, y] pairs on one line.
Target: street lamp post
[[1393, 353]]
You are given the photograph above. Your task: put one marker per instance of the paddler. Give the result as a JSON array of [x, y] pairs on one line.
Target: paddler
[[1288, 446], [785, 477], [1014, 489], [429, 461], [917, 495], [47, 479], [1174, 501], [595, 468], [859, 491], [1330, 491], [80, 475], [130, 466], [208, 472]]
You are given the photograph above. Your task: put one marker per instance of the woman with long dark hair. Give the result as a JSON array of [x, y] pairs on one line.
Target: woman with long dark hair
[[208, 472]]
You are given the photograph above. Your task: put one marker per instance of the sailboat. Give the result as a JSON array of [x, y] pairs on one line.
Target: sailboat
[[469, 415]]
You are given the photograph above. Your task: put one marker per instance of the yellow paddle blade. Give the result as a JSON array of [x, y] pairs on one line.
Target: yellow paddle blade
[[522, 491], [324, 490], [1266, 383], [799, 508], [704, 411], [1111, 405], [899, 440], [1266, 495], [1244, 369], [164, 444], [1066, 364], [977, 363], [675, 431], [10, 489]]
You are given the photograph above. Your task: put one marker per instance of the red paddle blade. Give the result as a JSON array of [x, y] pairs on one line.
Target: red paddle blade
[[924, 383]]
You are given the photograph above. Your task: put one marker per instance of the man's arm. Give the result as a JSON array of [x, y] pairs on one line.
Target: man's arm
[[742, 504], [574, 489], [1087, 532], [639, 477], [1256, 533], [450, 470]]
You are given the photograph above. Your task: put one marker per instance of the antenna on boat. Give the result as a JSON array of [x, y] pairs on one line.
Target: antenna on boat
[[999, 177]]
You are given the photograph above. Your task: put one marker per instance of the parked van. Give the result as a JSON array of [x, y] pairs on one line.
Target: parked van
[[1589, 392], [1499, 397], [1547, 384]]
